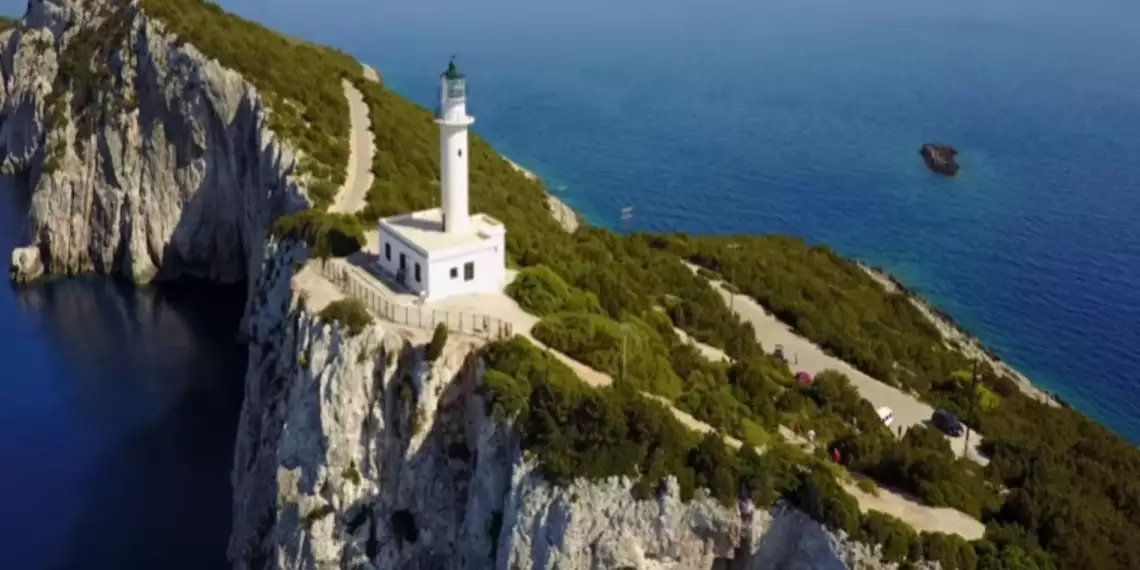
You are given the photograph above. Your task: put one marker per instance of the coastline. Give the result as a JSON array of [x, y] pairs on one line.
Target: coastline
[[952, 333], [563, 214], [956, 337]]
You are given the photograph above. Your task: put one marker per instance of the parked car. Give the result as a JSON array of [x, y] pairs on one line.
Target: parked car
[[947, 423], [886, 415]]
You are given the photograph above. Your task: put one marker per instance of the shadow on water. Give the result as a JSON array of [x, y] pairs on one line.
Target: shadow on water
[[148, 398]]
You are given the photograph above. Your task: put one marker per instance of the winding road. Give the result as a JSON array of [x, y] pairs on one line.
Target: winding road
[[358, 179]]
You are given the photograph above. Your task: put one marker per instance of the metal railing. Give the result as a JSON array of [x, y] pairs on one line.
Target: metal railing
[[413, 315]]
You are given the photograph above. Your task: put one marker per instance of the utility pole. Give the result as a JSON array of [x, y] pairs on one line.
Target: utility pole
[[976, 376], [626, 217]]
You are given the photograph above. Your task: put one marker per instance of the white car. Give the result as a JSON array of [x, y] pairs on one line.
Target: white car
[[886, 415]]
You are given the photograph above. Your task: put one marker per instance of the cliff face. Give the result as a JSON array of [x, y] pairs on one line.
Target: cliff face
[[160, 162], [357, 453]]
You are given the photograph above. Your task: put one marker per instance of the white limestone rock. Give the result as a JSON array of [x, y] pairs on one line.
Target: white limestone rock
[[178, 175], [26, 264]]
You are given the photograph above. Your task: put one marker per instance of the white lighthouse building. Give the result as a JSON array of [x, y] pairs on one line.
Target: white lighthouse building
[[444, 252]]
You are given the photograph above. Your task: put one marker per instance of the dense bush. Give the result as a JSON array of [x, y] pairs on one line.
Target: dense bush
[[328, 235], [896, 537], [598, 340], [576, 431], [349, 313], [950, 550], [300, 81], [821, 497], [542, 292]]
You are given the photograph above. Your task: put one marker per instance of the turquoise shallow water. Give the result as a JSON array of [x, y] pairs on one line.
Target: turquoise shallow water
[[805, 117]]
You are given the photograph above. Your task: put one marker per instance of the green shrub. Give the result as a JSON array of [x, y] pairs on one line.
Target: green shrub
[[597, 341], [823, 499], [542, 292], [349, 313], [328, 235], [438, 341], [895, 536], [575, 431], [950, 550]]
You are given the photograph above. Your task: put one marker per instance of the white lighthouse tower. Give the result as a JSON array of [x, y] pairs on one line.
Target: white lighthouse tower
[[453, 121], [445, 252]]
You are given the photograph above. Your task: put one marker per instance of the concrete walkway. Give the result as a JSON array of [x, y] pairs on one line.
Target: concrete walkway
[[358, 179]]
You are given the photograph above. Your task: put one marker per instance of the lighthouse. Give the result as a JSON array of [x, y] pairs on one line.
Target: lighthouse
[[453, 121], [446, 252]]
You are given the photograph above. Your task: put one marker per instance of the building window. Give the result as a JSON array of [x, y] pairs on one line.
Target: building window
[[469, 271], [417, 273], [403, 261], [455, 273], [388, 251]]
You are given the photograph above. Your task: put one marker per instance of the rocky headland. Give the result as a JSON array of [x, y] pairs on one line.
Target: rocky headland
[[353, 451], [158, 140]]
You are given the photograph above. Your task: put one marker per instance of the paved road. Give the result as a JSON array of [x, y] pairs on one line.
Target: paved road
[[803, 354], [358, 179]]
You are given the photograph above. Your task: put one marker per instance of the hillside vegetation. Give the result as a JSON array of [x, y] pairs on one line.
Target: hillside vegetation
[[1073, 484], [300, 82], [1073, 499]]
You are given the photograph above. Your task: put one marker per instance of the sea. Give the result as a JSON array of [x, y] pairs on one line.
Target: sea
[[801, 117]]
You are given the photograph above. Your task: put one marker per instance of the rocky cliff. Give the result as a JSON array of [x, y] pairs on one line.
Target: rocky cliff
[[160, 162], [356, 452]]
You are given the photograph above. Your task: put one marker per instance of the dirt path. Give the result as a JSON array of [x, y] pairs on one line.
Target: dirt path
[[358, 178]]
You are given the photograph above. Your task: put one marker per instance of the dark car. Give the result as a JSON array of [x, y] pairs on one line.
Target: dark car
[[946, 422]]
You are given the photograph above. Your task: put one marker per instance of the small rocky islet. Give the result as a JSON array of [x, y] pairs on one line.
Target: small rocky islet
[[940, 158]]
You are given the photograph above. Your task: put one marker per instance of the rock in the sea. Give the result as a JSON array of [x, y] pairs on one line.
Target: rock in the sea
[[940, 158], [26, 265]]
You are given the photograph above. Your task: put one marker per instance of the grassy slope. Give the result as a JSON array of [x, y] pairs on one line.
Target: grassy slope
[[300, 81]]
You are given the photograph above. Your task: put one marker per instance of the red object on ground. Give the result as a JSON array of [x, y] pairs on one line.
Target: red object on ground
[[803, 377], [835, 455]]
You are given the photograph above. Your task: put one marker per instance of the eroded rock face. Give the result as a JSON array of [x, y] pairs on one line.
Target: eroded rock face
[[356, 453], [171, 171]]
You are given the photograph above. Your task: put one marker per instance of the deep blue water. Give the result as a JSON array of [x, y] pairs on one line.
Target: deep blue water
[[805, 117], [118, 409]]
